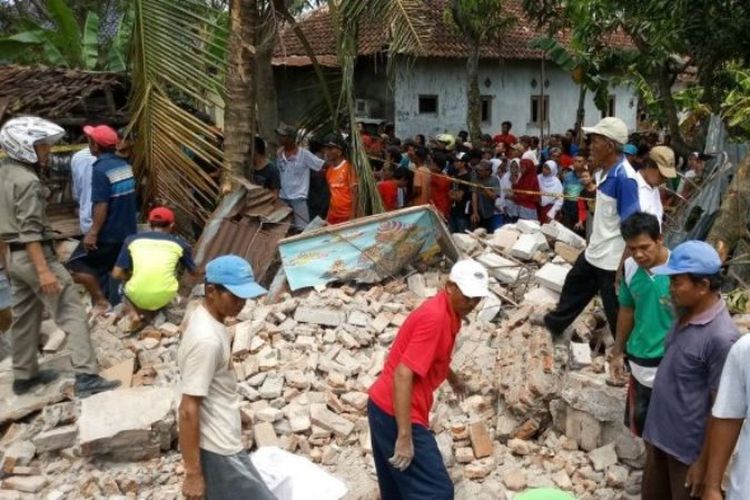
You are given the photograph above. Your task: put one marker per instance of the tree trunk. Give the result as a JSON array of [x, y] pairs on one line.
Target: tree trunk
[[268, 106], [580, 114], [474, 109], [239, 121], [730, 226], [664, 86]]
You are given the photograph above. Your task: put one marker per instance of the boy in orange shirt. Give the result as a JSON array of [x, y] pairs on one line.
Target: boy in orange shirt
[[342, 182]]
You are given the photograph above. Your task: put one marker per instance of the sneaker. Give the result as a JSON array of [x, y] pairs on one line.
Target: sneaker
[[88, 384], [43, 377]]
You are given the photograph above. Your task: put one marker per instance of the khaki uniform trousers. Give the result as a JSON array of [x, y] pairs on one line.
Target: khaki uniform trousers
[[28, 303]]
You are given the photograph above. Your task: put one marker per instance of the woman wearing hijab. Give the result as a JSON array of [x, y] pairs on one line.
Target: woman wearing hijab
[[552, 189], [526, 189]]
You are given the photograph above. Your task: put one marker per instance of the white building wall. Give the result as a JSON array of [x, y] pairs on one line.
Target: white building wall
[[511, 89]]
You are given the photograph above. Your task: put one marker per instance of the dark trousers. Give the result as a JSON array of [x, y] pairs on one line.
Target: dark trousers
[[459, 223], [663, 476], [426, 477], [583, 282], [636, 406], [232, 477]]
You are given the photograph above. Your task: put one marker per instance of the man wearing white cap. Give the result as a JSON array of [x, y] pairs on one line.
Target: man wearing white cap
[[656, 169], [407, 459], [616, 200]]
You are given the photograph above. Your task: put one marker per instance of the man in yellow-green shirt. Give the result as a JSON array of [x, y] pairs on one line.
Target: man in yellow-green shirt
[[149, 262]]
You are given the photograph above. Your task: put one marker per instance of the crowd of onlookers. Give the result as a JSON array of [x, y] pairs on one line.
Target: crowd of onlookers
[[485, 183]]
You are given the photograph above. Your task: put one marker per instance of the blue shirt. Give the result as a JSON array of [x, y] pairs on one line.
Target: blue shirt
[[572, 184], [113, 183], [690, 371]]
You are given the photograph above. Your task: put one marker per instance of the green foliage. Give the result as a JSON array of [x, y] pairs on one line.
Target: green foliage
[[479, 20], [736, 105], [63, 42]]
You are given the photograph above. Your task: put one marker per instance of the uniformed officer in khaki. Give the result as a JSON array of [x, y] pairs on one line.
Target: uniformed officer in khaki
[[38, 279]]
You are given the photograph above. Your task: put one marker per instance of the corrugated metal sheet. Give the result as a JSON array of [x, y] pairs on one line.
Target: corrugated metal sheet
[[248, 222]]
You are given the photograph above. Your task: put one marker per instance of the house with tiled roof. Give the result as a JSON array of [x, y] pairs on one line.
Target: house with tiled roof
[[426, 91]]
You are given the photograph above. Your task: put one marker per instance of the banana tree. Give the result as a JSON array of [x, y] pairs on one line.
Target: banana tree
[[69, 44]]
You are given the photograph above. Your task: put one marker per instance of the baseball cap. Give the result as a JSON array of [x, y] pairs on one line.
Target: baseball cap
[[235, 274], [102, 135], [664, 158], [611, 128], [630, 149], [161, 214], [691, 257], [470, 277]]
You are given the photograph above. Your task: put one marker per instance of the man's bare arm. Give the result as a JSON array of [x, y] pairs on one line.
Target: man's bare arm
[[189, 429], [724, 433]]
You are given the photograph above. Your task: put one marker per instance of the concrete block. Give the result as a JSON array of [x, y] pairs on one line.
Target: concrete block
[[480, 468], [418, 286], [358, 318], [541, 297], [54, 341], [603, 457], [528, 245], [528, 226], [269, 414], [580, 355], [357, 400], [464, 455], [552, 276], [319, 316], [26, 484], [130, 424], [243, 334], [505, 238], [56, 439], [504, 270], [19, 453], [326, 419], [565, 235], [265, 435], [491, 306], [568, 253], [589, 393], [272, 387], [464, 242], [480, 439]]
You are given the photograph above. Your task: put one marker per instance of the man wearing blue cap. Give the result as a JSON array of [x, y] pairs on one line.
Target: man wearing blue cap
[[216, 463], [688, 377]]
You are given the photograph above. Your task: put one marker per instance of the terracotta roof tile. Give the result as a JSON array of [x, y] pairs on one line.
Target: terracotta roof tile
[[440, 41]]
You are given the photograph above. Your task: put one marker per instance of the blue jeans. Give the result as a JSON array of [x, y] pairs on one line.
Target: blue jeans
[[426, 477]]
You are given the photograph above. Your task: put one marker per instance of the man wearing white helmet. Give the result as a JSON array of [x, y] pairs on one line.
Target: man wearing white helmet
[[407, 460], [38, 279]]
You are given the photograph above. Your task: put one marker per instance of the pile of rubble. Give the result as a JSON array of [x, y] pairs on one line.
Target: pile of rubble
[[539, 414]]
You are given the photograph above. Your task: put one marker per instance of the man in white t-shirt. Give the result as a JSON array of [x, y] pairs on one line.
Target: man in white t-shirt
[[81, 166], [731, 409], [296, 164], [616, 199], [216, 464], [656, 169]]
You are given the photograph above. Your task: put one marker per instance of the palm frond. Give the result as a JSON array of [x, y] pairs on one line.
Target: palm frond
[[172, 64]]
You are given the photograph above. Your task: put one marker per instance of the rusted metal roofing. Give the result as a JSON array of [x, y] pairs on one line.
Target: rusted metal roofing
[[248, 222], [66, 95]]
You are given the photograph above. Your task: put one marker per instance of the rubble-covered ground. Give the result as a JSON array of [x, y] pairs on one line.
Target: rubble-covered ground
[[539, 413]]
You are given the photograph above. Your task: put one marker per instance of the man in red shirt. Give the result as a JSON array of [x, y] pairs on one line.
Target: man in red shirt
[[407, 459], [505, 136]]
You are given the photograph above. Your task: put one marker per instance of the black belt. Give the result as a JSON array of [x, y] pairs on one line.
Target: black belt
[[17, 246]]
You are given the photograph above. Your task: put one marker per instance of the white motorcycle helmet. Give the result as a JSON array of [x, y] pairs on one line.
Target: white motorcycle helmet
[[19, 135]]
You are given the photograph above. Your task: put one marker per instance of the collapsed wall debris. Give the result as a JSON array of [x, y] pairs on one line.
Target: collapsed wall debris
[[538, 412]]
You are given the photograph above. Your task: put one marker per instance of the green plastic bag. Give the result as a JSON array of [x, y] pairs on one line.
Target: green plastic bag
[[544, 494]]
